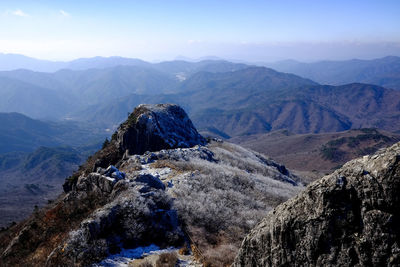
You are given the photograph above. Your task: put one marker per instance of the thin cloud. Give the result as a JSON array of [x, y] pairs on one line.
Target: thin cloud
[[19, 13], [64, 13]]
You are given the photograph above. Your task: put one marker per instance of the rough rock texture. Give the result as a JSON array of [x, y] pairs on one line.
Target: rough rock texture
[[148, 128], [156, 127], [348, 218], [135, 218]]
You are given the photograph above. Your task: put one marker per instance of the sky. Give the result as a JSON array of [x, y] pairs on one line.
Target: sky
[[259, 30]]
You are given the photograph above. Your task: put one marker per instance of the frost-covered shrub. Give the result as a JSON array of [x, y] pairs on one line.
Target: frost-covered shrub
[[221, 200]]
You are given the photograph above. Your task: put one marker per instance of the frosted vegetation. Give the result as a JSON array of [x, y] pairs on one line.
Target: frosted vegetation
[[203, 199], [219, 199]]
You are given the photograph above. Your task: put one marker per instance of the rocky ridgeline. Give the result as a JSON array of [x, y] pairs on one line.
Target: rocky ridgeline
[[155, 182], [348, 218], [132, 210]]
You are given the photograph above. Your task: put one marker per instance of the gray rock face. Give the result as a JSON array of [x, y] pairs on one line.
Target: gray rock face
[[156, 127], [137, 212], [348, 218]]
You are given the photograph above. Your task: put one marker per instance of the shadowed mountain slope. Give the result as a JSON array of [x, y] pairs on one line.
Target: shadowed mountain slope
[[21, 133], [33, 179]]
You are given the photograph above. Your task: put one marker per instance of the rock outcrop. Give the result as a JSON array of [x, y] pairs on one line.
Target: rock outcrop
[[348, 218], [156, 127], [148, 128]]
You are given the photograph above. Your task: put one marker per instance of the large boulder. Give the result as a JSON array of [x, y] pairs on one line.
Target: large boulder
[[156, 127], [348, 218]]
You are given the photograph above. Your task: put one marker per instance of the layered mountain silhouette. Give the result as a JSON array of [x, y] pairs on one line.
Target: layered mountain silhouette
[[258, 100], [55, 95], [10, 62], [223, 98], [382, 71]]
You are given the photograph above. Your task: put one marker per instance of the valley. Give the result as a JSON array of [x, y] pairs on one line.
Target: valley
[[316, 155]]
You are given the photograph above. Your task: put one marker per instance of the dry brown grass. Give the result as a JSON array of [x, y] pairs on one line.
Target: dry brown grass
[[167, 260], [131, 167], [185, 250], [222, 255], [215, 249], [45, 230], [178, 166]]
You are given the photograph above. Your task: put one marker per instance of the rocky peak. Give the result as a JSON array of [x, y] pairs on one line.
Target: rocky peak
[[156, 127], [348, 218], [148, 128]]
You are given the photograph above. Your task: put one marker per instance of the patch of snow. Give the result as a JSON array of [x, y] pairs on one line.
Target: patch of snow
[[126, 256], [159, 173], [113, 172], [110, 179]]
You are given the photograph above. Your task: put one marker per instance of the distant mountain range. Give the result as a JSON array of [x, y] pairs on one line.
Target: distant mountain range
[[35, 178], [19, 133], [9, 62], [35, 158], [55, 95], [258, 100], [224, 98], [382, 71], [14, 61]]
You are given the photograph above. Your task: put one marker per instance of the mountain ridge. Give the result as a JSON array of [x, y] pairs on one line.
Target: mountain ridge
[[233, 110], [380, 71]]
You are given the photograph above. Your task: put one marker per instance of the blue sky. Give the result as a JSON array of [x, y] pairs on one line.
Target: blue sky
[[236, 29]]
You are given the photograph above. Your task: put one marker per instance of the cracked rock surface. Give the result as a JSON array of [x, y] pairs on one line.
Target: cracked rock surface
[[348, 218]]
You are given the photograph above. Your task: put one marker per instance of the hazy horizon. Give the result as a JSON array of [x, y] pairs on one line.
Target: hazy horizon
[[253, 31], [205, 57]]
